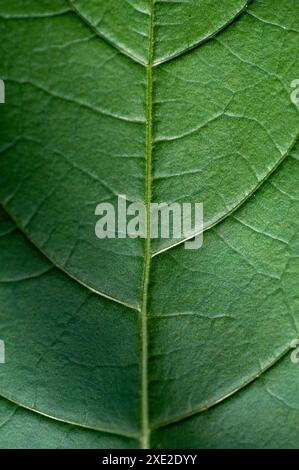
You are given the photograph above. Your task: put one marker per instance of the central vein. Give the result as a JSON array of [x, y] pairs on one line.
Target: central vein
[[145, 430]]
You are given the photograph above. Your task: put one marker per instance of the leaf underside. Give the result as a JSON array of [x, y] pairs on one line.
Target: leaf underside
[[123, 343]]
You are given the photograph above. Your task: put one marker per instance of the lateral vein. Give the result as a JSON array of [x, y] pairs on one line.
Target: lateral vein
[[231, 393], [63, 269], [69, 422]]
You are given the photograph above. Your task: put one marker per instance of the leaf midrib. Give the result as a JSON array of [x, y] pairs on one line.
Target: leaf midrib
[[145, 430]]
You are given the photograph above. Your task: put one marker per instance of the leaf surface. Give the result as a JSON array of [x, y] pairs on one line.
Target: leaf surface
[[131, 342]]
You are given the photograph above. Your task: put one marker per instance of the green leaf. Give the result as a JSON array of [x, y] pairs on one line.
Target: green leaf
[[130, 342]]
